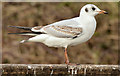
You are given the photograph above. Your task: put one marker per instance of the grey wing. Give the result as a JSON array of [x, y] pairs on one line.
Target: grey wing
[[63, 31]]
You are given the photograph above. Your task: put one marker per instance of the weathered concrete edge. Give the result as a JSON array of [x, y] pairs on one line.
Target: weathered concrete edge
[[59, 69]]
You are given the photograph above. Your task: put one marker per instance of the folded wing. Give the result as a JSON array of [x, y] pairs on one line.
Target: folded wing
[[61, 31]]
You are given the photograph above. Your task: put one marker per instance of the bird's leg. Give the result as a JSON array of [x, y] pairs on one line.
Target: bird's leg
[[66, 56]]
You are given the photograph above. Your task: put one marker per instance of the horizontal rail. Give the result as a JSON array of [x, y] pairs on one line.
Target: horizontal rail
[[51, 69]]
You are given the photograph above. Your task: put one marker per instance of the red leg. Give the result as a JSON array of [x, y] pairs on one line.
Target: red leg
[[66, 56]]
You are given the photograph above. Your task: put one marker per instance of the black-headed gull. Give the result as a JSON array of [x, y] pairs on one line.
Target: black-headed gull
[[66, 32]]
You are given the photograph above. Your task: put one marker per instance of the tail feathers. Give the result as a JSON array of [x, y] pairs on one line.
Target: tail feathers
[[24, 33], [30, 32], [20, 27]]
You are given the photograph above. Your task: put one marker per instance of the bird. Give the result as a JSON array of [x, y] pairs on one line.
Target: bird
[[64, 33]]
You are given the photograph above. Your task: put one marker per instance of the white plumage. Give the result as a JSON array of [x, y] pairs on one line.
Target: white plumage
[[60, 38]]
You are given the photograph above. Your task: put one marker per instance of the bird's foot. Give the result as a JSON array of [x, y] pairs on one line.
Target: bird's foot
[[66, 61]]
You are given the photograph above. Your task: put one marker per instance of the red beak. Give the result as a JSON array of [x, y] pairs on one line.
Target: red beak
[[102, 12]]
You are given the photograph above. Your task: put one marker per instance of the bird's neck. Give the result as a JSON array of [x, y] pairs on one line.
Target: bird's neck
[[89, 23], [87, 19]]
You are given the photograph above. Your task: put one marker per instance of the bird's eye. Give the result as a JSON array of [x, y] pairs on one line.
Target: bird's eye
[[93, 8], [86, 9]]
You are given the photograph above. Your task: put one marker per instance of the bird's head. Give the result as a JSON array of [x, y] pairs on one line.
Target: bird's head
[[91, 10]]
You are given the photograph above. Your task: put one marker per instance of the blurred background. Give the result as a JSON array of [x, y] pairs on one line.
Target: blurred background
[[102, 48]]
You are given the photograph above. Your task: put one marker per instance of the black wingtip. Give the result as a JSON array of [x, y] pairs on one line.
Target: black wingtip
[[20, 27], [11, 26], [14, 33]]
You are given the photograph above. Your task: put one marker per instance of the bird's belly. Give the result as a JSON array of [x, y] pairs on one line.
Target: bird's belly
[[57, 42], [51, 41], [83, 38]]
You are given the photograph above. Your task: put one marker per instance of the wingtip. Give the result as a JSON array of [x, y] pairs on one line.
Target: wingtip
[[11, 26], [14, 33], [11, 33]]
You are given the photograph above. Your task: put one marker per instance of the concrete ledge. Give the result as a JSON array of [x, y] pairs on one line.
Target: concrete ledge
[[62, 69]]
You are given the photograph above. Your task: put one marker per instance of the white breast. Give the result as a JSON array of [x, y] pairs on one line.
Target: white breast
[[88, 31]]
